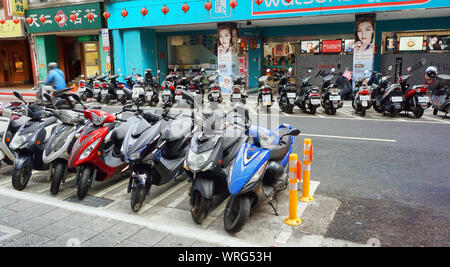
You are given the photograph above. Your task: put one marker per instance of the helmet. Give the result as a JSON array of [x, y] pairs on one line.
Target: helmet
[[431, 72], [52, 65]]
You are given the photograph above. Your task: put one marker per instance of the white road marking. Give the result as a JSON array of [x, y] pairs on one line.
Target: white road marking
[[111, 188], [150, 223], [351, 115], [287, 230], [349, 137], [434, 119], [161, 197], [177, 201]]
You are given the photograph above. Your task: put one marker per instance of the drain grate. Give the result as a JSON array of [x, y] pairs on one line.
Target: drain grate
[[90, 201]]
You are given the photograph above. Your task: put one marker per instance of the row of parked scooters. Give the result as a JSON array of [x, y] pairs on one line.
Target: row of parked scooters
[[221, 154], [146, 90], [373, 90]]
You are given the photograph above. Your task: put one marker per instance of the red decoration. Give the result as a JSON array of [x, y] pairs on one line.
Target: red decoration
[[208, 5], [233, 3], [185, 8], [144, 12], [106, 15], [58, 18], [165, 10], [258, 2], [124, 13], [42, 19], [16, 21], [90, 16], [2, 21], [73, 17], [288, 1], [29, 20]]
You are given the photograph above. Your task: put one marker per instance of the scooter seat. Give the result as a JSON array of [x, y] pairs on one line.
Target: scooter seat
[[49, 121], [444, 77], [277, 153], [16, 124]]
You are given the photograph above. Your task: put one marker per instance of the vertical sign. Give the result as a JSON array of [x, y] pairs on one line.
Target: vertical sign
[[364, 46], [105, 40], [227, 47], [17, 8], [398, 68]]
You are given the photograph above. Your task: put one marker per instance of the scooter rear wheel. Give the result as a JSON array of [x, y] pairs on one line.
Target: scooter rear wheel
[[199, 207], [84, 182], [236, 214], [435, 111], [56, 177], [418, 112], [21, 177]]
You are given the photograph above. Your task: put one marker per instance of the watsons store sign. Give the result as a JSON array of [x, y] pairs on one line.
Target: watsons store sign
[[319, 7]]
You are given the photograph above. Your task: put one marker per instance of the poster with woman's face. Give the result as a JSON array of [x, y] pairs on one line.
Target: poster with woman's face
[[391, 44], [364, 46], [227, 48], [310, 47], [438, 42]]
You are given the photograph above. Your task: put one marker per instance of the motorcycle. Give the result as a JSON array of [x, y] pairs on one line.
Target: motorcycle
[[12, 117], [96, 153], [112, 89], [211, 152], [440, 96], [138, 90], [155, 157], [330, 92], [63, 137], [287, 93], [265, 92], [361, 95], [387, 97], [308, 96], [168, 90], [214, 92], [151, 88], [238, 91], [28, 143], [258, 173], [86, 87]]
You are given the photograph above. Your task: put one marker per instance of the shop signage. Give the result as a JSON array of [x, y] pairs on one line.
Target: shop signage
[[332, 46], [17, 7], [87, 38], [105, 40], [10, 29], [51, 25]]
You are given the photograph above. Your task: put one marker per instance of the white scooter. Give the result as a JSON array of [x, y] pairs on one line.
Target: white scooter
[[12, 117]]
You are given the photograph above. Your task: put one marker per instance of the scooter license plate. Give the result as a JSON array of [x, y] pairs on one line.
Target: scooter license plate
[[96, 91], [364, 98], [104, 92], [178, 98], [120, 92], [167, 93], [149, 94], [315, 101], [423, 99], [335, 97], [291, 95], [237, 96], [215, 95], [396, 99], [81, 89], [266, 100], [365, 103]]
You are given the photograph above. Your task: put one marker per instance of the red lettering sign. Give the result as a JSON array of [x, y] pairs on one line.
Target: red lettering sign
[[332, 46]]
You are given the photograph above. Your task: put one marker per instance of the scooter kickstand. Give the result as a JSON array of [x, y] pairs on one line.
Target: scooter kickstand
[[274, 207]]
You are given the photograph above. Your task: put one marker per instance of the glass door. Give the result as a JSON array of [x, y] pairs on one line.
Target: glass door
[[91, 58]]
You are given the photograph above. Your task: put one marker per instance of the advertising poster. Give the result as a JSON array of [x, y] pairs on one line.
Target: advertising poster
[[227, 47], [391, 44], [438, 42], [332, 46], [411, 43], [364, 46], [310, 47], [349, 46]]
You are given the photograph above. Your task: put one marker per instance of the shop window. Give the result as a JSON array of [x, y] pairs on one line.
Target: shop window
[[416, 42]]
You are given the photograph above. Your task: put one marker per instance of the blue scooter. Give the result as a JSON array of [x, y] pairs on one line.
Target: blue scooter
[[258, 173]]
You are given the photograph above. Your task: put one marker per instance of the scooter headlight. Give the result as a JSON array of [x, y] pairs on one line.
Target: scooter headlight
[[89, 150], [19, 140], [196, 161], [135, 155], [257, 175]]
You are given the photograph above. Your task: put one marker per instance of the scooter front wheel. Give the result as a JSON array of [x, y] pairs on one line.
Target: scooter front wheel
[[84, 182], [20, 177], [56, 176], [137, 198], [236, 214], [418, 112], [199, 207]]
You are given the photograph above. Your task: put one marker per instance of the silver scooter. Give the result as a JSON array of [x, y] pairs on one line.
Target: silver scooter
[[12, 117]]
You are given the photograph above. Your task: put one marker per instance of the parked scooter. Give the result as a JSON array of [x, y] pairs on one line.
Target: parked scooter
[[361, 95], [29, 142], [86, 87], [151, 88], [330, 92], [287, 93], [440, 96], [415, 99], [265, 92], [155, 157], [258, 173], [12, 117], [239, 92], [308, 97], [168, 87], [215, 92], [96, 153], [63, 137], [387, 97], [210, 155]]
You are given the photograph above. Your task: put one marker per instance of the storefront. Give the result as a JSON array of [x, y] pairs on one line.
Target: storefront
[[318, 34], [72, 37]]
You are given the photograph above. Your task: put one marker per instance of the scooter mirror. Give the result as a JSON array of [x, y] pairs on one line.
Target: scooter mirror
[[19, 96], [159, 71], [390, 68], [295, 132], [333, 70], [127, 107]]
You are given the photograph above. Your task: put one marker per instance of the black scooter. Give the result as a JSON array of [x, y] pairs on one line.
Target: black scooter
[[308, 97], [287, 93], [29, 142], [330, 92], [440, 96]]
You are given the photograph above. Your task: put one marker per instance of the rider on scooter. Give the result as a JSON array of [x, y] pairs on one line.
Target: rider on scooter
[[56, 80]]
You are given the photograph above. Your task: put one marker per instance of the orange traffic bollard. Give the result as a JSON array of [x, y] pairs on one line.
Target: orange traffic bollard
[[294, 172], [308, 157]]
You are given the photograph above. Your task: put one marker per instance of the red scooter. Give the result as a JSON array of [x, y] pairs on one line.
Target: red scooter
[[96, 154]]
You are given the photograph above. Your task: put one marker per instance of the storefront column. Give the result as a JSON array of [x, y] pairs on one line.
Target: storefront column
[[105, 58], [117, 52], [162, 56], [47, 52], [148, 42]]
